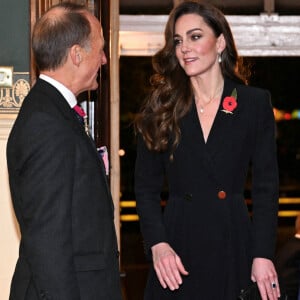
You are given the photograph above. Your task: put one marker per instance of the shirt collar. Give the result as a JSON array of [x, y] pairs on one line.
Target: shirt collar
[[67, 94]]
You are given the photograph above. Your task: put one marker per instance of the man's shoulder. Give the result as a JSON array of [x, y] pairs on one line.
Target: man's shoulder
[[43, 87]]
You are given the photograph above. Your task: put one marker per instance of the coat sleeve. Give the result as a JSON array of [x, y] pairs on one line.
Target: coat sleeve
[[149, 178], [265, 189], [46, 170]]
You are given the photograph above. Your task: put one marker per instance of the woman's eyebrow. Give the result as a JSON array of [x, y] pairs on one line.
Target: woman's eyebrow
[[188, 32]]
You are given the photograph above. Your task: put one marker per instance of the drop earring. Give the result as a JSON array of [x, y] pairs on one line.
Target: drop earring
[[220, 57]]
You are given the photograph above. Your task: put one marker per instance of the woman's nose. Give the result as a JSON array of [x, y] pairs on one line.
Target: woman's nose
[[184, 48]]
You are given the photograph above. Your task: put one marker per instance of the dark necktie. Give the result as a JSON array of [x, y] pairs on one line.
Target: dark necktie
[[82, 117]]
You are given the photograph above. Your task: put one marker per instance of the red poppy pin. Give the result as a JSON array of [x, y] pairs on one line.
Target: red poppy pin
[[229, 103]]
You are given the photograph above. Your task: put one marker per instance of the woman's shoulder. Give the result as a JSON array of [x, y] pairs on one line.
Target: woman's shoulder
[[251, 99], [252, 90], [256, 91], [249, 92]]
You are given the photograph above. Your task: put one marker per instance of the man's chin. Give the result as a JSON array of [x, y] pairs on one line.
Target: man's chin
[[94, 86]]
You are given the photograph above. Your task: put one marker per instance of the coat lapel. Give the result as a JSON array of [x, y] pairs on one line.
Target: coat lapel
[[220, 134], [222, 127]]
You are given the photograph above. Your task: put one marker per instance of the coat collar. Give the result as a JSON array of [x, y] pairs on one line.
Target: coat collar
[[220, 133], [222, 126]]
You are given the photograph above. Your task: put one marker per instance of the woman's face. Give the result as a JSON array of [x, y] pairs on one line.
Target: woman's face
[[196, 46]]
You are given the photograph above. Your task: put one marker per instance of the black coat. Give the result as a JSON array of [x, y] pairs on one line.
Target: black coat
[[68, 248], [214, 237]]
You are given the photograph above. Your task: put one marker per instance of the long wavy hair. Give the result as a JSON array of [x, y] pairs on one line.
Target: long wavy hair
[[171, 93]]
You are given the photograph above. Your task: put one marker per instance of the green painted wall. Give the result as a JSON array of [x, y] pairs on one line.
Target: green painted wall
[[14, 34]]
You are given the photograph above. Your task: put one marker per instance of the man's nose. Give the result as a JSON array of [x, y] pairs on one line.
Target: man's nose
[[103, 59]]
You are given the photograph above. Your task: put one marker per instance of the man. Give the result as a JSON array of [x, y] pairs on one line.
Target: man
[[68, 248]]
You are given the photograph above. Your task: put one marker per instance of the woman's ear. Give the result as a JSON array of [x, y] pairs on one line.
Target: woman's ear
[[221, 43]]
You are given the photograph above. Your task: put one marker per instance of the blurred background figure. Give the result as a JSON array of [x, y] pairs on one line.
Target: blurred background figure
[[288, 264]]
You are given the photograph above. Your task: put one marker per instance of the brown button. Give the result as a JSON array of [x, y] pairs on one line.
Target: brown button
[[221, 195]]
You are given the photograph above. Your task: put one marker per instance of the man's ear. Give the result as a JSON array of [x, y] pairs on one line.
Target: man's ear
[[76, 54]]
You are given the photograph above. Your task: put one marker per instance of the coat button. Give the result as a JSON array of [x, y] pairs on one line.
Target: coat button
[[221, 195]]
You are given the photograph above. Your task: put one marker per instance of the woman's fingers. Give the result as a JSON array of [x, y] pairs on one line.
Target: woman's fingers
[[168, 266], [167, 272]]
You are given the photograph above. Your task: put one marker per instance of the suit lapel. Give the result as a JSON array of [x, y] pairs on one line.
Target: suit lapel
[[70, 116]]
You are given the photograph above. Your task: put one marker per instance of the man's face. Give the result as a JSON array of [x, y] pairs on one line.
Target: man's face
[[93, 57]]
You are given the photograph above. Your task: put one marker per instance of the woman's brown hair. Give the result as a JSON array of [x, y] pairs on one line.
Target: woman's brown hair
[[171, 95]]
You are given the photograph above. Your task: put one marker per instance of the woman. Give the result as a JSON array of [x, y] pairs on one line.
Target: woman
[[199, 129]]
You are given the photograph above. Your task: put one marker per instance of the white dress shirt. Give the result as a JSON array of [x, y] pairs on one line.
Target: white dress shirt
[[67, 94]]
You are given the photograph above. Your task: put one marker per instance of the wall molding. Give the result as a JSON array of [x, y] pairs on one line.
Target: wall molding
[[259, 35], [11, 98], [6, 123]]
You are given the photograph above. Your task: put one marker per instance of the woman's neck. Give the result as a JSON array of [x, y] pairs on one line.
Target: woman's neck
[[207, 91]]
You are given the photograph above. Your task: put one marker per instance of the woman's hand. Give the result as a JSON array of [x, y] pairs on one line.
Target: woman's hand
[[264, 273], [168, 266]]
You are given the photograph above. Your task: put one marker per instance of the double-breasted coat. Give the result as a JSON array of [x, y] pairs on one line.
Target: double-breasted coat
[[215, 237], [68, 248]]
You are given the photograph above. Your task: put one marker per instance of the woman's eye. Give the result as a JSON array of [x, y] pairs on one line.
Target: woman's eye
[[196, 37], [177, 42]]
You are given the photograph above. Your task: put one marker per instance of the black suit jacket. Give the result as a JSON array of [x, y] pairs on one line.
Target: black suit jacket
[[60, 194], [214, 237]]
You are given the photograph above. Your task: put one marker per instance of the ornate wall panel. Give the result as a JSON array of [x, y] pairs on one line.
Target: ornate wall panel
[[11, 98], [14, 55]]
